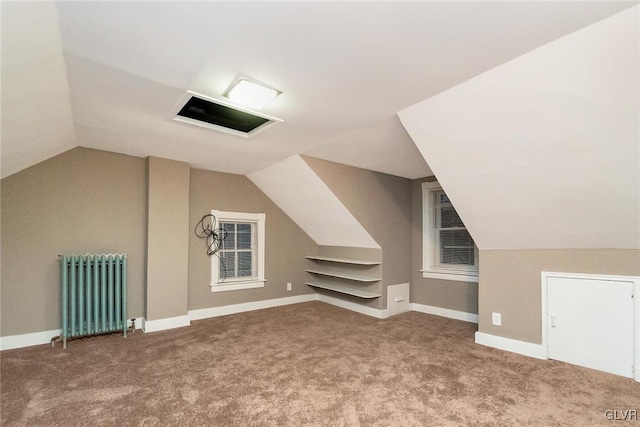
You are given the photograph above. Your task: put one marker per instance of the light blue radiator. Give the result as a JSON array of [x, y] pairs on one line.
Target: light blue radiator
[[94, 295]]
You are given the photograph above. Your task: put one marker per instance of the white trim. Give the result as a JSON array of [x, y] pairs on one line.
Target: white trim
[[167, 323], [138, 322], [521, 347], [236, 286], [225, 310], [636, 327], [358, 308], [205, 313], [44, 337], [27, 340], [444, 312], [259, 220], [430, 271], [461, 277], [37, 338]]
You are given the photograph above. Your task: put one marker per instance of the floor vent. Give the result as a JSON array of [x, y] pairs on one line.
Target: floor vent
[[215, 114]]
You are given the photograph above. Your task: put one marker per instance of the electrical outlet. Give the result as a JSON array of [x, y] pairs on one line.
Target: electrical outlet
[[496, 319], [289, 286]]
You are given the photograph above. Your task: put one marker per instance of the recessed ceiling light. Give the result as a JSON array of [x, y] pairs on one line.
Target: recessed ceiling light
[[251, 94]]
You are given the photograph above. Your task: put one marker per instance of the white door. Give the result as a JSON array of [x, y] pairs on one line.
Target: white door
[[590, 323]]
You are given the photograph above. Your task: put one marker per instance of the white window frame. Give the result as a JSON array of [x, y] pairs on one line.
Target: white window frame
[[232, 284], [429, 270]]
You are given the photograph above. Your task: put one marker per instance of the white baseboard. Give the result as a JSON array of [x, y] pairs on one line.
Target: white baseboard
[[445, 312], [205, 313], [44, 337], [167, 323], [138, 322], [27, 340], [39, 338], [363, 309], [521, 347]]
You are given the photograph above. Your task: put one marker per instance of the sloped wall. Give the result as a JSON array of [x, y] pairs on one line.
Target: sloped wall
[[346, 207], [285, 246], [298, 191], [541, 158], [34, 131], [542, 152], [382, 204]]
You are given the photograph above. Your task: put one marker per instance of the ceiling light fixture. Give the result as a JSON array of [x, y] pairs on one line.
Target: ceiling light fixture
[[221, 115], [251, 93]]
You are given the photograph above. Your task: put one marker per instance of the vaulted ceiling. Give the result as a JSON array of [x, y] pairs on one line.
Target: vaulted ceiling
[[544, 151], [106, 75]]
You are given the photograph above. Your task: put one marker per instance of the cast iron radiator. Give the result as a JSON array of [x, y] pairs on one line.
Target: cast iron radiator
[[94, 295]]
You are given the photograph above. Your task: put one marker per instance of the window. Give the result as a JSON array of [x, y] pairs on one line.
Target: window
[[449, 251], [239, 263]]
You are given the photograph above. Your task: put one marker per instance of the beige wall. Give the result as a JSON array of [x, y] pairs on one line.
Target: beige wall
[[450, 294], [382, 205], [286, 244], [510, 283], [81, 201], [167, 238], [87, 200]]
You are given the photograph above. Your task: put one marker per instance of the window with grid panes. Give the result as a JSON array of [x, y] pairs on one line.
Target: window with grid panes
[[449, 251], [239, 264], [238, 250]]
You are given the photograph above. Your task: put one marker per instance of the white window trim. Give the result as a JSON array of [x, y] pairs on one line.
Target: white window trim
[[236, 284], [428, 271]]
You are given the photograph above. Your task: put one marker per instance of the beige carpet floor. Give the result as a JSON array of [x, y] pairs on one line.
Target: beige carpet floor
[[307, 364]]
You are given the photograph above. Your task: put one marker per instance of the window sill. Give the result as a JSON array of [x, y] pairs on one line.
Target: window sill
[[223, 287], [457, 276]]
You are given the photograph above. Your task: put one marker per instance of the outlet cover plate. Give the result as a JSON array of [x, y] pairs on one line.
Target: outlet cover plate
[[496, 319]]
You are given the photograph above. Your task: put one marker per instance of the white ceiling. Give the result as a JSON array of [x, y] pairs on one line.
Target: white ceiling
[[345, 69], [37, 121]]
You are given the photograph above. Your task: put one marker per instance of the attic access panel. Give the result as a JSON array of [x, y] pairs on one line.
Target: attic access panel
[[220, 115]]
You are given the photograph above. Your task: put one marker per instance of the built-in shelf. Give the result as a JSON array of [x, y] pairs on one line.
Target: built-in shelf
[[353, 274], [344, 289], [348, 276], [343, 260]]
